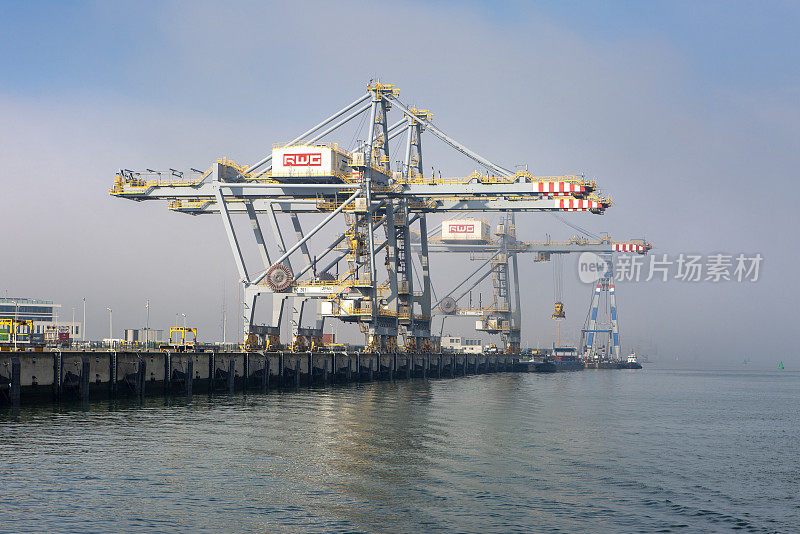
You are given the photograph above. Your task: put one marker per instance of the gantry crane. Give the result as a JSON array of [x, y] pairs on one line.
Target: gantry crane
[[503, 314], [592, 347], [308, 175]]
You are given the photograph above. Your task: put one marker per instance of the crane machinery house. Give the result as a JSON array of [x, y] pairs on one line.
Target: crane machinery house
[[310, 163], [465, 231]]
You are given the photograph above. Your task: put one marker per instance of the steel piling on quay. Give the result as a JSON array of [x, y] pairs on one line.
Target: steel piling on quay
[[39, 377]]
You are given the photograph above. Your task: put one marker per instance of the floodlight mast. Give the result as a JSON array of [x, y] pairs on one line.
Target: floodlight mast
[[371, 198]]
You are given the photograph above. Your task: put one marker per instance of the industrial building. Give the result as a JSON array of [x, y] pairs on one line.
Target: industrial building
[[459, 344], [143, 336], [42, 313]]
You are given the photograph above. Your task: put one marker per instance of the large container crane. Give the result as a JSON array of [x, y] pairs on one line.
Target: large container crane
[[308, 175]]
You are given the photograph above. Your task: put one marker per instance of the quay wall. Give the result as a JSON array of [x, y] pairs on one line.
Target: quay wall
[[40, 377]]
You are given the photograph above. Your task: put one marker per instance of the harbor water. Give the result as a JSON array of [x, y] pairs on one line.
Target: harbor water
[[594, 451]]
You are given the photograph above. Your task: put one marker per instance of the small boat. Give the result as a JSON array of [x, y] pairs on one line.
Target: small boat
[[780, 366], [632, 362]]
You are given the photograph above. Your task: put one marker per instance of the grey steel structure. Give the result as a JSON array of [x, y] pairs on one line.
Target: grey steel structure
[[593, 346], [499, 256], [380, 206]]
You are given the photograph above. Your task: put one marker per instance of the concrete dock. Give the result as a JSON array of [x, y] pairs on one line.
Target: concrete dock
[[41, 377]]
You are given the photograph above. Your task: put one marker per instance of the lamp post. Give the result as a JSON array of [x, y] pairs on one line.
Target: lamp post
[[184, 331], [147, 326], [83, 324], [14, 325], [110, 327]]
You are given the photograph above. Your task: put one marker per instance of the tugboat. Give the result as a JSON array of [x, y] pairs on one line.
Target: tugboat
[[633, 362]]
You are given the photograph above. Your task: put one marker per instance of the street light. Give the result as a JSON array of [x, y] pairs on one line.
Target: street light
[[147, 326], [110, 329], [14, 325], [184, 331], [83, 324]]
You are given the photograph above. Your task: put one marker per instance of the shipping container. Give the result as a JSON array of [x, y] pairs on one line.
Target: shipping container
[[465, 231], [310, 163]]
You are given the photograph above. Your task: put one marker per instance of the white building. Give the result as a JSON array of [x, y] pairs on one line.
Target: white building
[[459, 344], [43, 313]]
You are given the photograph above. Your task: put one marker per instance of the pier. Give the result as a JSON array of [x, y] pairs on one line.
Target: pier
[[41, 377]]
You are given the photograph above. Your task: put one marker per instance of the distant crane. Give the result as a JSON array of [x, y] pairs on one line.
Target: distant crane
[[499, 253]]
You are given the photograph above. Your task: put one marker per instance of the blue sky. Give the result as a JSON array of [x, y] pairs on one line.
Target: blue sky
[[86, 47], [688, 113]]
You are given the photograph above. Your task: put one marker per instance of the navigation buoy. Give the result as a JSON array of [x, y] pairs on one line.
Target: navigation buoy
[[780, 365]]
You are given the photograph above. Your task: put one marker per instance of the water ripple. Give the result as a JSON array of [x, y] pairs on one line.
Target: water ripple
[[653, 451]]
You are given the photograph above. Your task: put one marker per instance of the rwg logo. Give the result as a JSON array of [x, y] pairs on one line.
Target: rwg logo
[[591, 267], [302, 160]]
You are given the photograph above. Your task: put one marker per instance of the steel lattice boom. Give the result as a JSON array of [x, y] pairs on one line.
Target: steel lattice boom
[[347, 278]]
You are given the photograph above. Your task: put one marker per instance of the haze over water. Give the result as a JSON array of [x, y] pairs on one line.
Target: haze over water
[[595, 451]]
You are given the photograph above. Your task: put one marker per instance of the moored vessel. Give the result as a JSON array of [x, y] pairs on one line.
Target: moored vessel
[[566, 359], [632, 362]]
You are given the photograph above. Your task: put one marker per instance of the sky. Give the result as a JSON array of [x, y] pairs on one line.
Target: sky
[[686, 113]]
